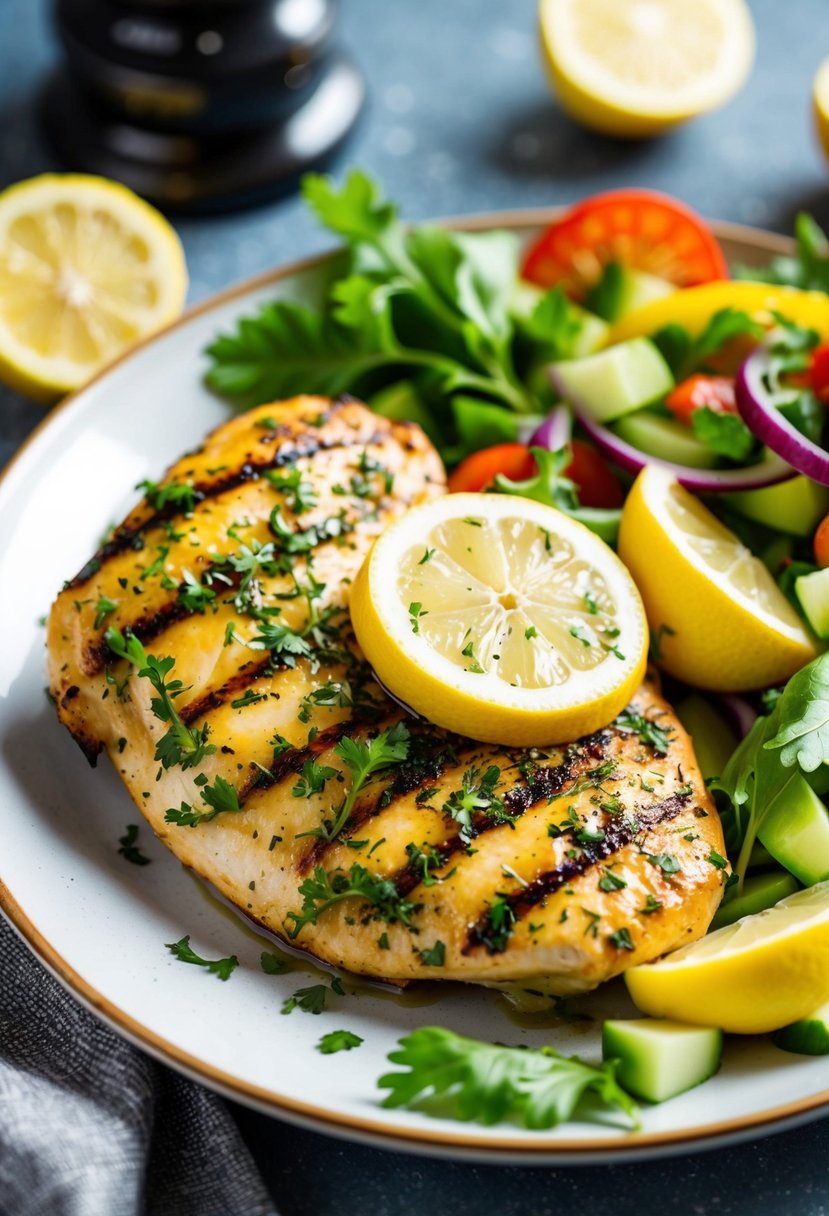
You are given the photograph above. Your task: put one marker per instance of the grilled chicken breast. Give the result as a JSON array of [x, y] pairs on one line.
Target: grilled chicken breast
[[457, 860]]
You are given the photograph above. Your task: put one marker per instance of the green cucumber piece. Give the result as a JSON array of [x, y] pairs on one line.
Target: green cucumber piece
[[796, 506], [711, 735], [812, 591], [615, 381], [795, 830], [760, 891], [660, 1059], [621, 289], [808, 1037], [593, 330], [666, 438]]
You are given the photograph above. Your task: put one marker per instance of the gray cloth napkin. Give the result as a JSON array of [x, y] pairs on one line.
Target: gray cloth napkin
[[90, 1126]]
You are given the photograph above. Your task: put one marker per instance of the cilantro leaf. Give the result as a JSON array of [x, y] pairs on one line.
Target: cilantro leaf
[[338, 1040], [537, 1088], [222, 967]]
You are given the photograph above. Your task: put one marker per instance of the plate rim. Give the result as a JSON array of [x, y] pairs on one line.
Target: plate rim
[[584, 1149]]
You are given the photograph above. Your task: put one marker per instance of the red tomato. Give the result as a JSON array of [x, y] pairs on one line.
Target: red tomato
[[478, 471], [596, 485], [821, 542], [819, 372], [702, 392], [639, 228]]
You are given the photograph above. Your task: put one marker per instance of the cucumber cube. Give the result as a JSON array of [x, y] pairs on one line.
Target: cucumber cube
[[660, 1059], [808, 1037], [795, 830], [760, 891], [666, 438], [615, 381], [796, 506], [812, 590]]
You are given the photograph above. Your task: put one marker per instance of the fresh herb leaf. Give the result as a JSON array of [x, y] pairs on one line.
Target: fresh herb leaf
[[326, 888], [274, 964], [807, 269], [724, 434], [312, 779], [222, 967], [537, 1088], [220, 796], [655, 736], [550, 486], [476, 796], [128, 846], [434, 956], [685, 354], [309, 1000], [338, 1040]]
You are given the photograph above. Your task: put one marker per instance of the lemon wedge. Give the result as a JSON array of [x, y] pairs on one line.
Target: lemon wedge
[[502, 619], [635, 68], [763, 972], [720, 619], [820, 98], [86, 269]]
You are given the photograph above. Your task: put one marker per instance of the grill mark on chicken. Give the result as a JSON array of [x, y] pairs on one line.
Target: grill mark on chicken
[[618, 834], [217, 697], [132, 538]]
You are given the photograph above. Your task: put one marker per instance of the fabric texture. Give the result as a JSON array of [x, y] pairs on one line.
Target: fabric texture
[[90, 1126]]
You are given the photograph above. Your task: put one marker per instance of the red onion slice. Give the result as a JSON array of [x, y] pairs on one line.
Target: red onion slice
[[758, 409], [704, 481], [555, 431]]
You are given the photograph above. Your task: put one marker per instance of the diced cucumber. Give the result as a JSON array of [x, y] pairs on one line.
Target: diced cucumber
[[808, 1037], [592, 334], [615, 381], [795, 830], [796, 506], [660, 1059], [760, 891], [713, 738], [666, 438], [812, 591]]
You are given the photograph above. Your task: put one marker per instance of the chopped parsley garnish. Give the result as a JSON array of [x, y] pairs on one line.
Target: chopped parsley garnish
[[717, 860], [434, 956], [128, 846], [648, 731], [220, 796], [338, 1040], [325, 889], [222, 967], [611, 882], [181, 744], [500, 922], [300, 495], [665, 862], [621, 939], [104, 608], [428, 554], [415, 613], [363, 760], [530, 632], [651, 904], [312, 779], [309, 1000], [274, 964], [476, 795], [176, 494], [195, 596]]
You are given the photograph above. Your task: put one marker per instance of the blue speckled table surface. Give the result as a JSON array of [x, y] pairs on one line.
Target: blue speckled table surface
[[460, 120]]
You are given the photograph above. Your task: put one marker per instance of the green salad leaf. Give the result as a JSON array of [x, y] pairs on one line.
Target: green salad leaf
[[549, 485], [488, 1082], [685, 355], [423, 306], [807, 269]]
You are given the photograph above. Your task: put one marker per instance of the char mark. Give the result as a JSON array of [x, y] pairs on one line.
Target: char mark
[[618, 833], [307, 444], [217, 697]]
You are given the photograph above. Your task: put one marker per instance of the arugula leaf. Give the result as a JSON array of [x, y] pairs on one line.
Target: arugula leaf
[[222, 967], [802, 736], [808, 269], [537, 1088], [725, 434], [338, 1040]]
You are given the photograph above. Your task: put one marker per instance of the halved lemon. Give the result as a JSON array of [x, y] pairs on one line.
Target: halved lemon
[[820, 98], [720, 619], [756, 975], [502, 619], [635, 68], [86, 268]]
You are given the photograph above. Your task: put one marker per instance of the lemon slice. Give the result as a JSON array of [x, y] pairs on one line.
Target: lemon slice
[[502, 619], [635, 68], [720, 619], [820, 98], [86, 268], [756, 975]]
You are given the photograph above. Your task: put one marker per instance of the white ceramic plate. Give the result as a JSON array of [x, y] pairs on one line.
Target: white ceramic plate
[[100, 924]]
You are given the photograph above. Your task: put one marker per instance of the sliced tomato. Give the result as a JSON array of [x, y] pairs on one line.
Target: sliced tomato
[[639, 228], [479, 470], [702, 392], [819, 372], [821, 542], [597, 486]]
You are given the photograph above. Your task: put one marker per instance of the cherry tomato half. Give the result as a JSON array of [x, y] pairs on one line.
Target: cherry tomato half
[[639, 228], [821, 542], [702, 392], [597, 486]]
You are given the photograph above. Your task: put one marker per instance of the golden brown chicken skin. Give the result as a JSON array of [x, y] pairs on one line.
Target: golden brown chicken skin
[[233, 727]]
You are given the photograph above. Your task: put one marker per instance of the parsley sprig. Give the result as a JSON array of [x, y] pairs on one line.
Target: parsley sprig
[[363, 758], [477, 794], [219, 797], [325, 889], [222, 967], [182, 745], [488, 1082]]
